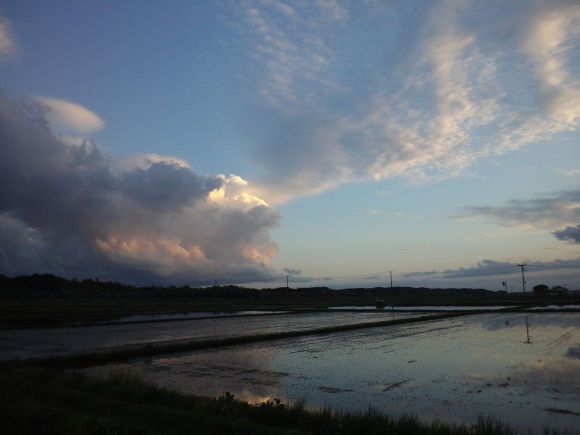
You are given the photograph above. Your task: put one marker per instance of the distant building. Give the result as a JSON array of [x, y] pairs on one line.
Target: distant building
[[559, 290]]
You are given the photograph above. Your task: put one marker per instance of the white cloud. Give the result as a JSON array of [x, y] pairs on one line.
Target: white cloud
[[7, 45], [71, 115], [552, 37], [570, 173], [424, 98]]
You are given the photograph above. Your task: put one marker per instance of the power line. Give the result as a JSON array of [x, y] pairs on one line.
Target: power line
[[461, 271]]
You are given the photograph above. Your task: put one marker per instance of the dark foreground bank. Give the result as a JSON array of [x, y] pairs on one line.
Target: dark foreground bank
[[41, 400]]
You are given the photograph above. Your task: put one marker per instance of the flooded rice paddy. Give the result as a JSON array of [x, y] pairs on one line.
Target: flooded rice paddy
[[523, 368], [44, 342], [182, 316], [422, 308]]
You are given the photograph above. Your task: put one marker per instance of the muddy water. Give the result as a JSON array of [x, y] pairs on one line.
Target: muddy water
[[450, 369], [65, 341]]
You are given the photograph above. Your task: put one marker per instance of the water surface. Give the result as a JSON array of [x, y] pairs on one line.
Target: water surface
[[450, 369], [42, 342]]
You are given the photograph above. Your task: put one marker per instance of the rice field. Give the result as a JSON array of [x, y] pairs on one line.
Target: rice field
[[521, 368]]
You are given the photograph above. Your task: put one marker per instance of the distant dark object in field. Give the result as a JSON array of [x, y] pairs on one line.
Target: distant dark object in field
[[561, 411], [396, 384], [379, 303]]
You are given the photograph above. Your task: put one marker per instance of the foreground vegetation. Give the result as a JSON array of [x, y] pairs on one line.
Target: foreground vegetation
[[41, 400]]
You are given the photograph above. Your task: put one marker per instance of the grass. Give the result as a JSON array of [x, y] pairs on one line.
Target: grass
[[42, 400]]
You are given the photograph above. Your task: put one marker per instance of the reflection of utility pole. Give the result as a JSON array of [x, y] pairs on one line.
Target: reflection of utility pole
[[523, 280], [527, 330]]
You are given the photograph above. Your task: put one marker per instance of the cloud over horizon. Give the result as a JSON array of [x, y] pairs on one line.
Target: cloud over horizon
[[65, 208]]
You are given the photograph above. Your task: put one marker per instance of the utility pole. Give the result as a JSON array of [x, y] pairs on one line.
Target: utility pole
[[391, 273], [287, 281], [523, 280]]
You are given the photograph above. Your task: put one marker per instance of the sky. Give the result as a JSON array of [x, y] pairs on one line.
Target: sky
[[324, 142]]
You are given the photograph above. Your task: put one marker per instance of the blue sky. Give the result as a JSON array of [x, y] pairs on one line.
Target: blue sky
[[332, 141]]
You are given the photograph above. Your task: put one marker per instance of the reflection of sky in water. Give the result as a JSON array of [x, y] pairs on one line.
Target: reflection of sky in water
[[179, 316], [388, 307], [453, 369], [30, 343]]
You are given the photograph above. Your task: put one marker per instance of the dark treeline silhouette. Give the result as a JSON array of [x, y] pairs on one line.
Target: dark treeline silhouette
[[58, 286]]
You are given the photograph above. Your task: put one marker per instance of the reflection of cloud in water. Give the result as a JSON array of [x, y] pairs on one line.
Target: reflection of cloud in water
[[573, 352], [551, 374], [452, 369], [242, 371], [515, 320]]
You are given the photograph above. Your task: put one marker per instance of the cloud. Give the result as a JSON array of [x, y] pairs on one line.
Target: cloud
[[71, 115], [144, 161], [370, 211], [570, 173], [293, 272], [418, 274], [538, 214], [66, 208], [7, 45], [569, 233], [573, 352], [492, 268], [348, 101], [552, 35]]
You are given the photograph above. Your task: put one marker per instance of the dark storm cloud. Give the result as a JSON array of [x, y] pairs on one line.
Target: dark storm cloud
[[64, 209], [569, 233]]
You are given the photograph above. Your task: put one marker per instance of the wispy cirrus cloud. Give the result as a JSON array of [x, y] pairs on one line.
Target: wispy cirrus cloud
[[8, 47], [347, 103], [370, 211]]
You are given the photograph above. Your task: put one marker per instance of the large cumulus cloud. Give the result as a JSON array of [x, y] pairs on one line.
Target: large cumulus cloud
[[67, 208]]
